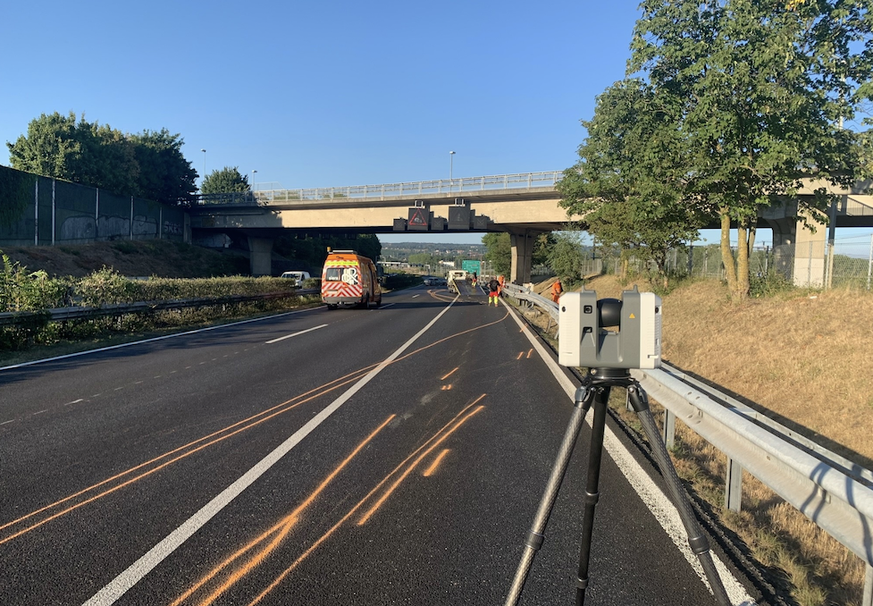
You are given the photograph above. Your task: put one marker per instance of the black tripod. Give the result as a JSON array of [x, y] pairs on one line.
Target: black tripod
[[597, 386]]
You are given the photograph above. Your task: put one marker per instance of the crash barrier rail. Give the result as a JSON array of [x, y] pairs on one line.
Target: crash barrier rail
[[60, 314], [526, 294], [830, 490], [438, 187]]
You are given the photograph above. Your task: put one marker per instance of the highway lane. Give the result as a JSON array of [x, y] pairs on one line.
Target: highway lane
[[417, 488]]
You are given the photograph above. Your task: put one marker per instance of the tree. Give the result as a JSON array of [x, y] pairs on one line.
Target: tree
[[149, 164], [226, 180], [498, 252], [761, 90], [567, 255], [50, 148], [629, 182], [165, 174]]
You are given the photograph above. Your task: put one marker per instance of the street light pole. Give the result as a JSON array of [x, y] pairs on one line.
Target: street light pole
[[204, 168], [451, 166], [254, 172]]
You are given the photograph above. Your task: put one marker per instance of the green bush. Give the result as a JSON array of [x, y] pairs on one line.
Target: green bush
[[22, 291], [105, 286]]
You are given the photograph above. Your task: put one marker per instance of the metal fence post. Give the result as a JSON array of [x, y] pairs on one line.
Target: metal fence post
[[870, 262], [54, 212], [809, 267], [36, 212]]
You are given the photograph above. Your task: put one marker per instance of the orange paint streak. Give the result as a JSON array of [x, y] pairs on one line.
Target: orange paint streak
[[529, 353], [251, 545], [450, 373], [282, 528], [252, 421], [436, 463], [409, 470], [318, 392], [241, 572], [520, 354], [354, 509]]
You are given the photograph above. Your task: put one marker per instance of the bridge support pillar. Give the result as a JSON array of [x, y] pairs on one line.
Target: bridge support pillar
[[799, 253], [522, 254], [261, 256]]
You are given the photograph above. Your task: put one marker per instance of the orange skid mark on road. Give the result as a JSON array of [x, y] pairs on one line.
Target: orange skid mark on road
[[436, 463], [446, 387], [529, 353], [162, 461], [445, 431], [442, 298], [450, 373], [403, 475], [155, 464], [520, 355], [278, 533]]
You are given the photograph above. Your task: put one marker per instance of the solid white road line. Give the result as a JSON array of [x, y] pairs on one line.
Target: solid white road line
[[297, 333], [130, 577]]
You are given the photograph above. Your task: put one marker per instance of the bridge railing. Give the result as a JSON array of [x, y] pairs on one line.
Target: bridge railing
[[387, 191], [833, 492]]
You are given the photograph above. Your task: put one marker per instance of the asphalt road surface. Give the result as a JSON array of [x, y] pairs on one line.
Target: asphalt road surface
[[386, 456]]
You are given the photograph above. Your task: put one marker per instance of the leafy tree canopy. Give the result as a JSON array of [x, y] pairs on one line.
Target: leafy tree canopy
[[226, 180], [149, 165], [498, 252], [727, 105], [567, 255]]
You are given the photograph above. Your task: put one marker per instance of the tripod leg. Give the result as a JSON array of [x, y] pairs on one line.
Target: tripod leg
[[592, 490], [536, 537], [696, 539]]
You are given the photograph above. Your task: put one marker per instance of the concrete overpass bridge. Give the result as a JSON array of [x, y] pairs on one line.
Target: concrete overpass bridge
[[523, 205]]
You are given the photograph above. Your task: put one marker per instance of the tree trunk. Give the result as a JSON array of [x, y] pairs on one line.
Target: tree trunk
[[742, 286], [727, 257]]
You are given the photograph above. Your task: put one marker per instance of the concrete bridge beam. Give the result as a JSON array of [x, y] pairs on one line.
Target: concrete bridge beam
[[261, 256]]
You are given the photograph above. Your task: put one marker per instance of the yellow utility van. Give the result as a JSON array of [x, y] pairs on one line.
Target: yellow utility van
[[348, 279]]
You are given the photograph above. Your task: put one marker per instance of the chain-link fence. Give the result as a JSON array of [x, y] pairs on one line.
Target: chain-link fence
[[815, 264], [38, 210]]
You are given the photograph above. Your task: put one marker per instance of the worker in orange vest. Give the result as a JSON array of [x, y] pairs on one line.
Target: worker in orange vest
[[501, 280], [557, 289]]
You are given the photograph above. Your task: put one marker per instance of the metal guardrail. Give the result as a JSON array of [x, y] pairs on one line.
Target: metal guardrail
[[387, 191], [831, 491], [13, 318]]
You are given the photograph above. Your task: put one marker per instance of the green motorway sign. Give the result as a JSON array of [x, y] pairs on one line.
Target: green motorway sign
[[471, 266]]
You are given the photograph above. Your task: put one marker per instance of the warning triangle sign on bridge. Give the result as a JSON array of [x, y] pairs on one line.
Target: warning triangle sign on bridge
[[418, 217]]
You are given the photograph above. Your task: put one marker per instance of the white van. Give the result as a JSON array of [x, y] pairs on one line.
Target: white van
[[297, 276]]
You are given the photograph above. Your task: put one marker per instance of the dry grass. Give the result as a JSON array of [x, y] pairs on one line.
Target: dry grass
[[801, 357]]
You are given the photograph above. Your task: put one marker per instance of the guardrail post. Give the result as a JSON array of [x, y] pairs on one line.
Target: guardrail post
[[733, 485], [868, 587], [669, 430]]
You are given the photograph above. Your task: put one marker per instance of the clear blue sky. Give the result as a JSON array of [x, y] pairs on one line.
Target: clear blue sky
[[329, 93]]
